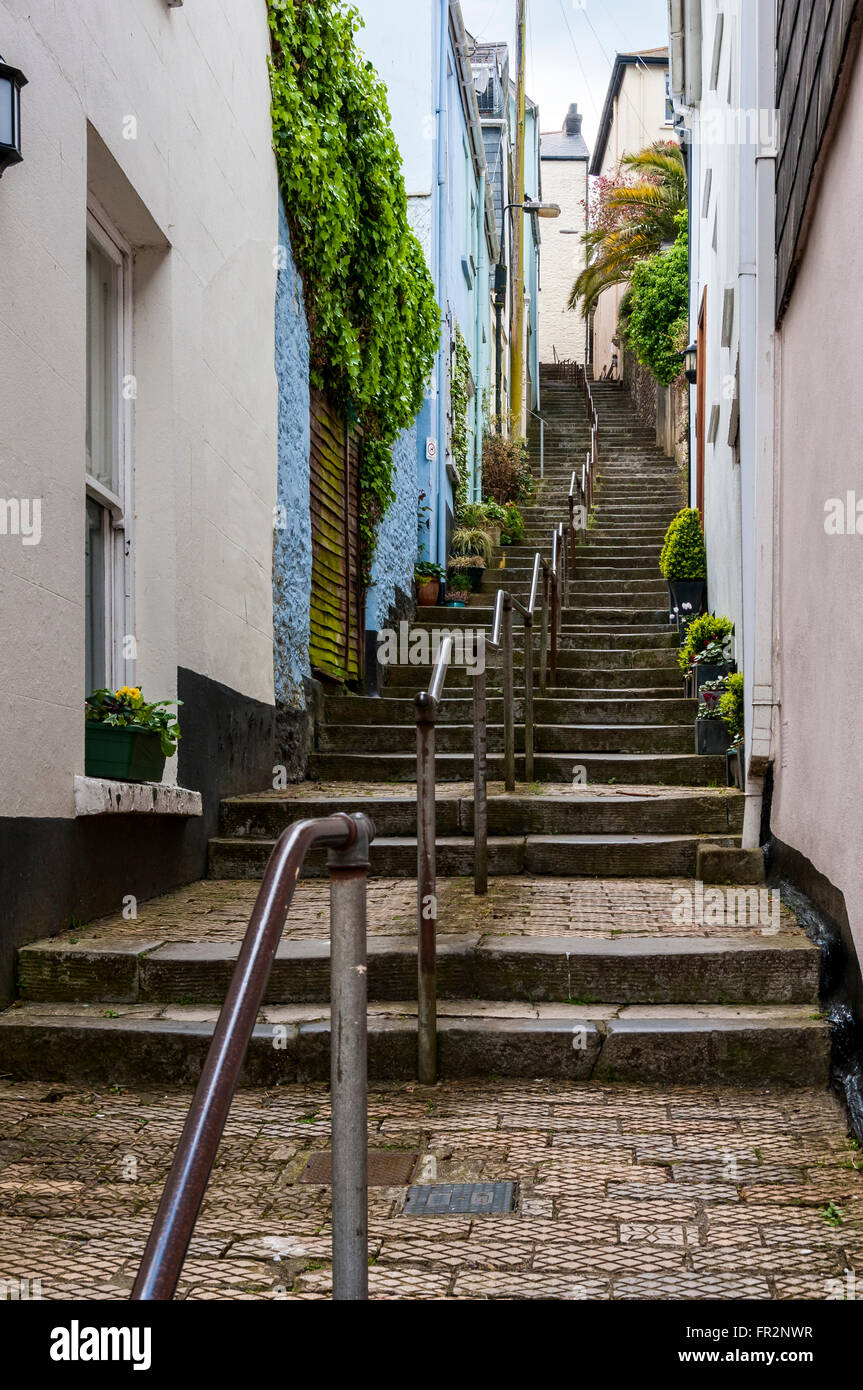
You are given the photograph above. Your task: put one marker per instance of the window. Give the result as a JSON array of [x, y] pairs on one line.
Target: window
[[669, 104], [107, 536]]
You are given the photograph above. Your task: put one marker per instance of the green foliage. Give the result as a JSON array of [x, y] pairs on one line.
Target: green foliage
[[373, 317], [656, 318], [126, 708], [706, 635], [424, 570], [459, 401], [731, 706], [473, 542], [683, 553], [512, 532], [630, 218]]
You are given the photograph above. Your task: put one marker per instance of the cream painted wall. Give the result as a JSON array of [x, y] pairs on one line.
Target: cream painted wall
[[638, 121], [564, 182], [195, 193], [817, 804]]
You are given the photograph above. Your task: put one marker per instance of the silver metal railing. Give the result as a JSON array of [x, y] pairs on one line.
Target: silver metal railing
[[427, 702]]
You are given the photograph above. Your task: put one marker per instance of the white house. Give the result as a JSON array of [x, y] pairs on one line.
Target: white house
[[564, 159]]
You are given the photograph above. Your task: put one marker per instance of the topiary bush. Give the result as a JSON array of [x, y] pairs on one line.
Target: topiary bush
[[704, 633], [683, 554], [731, 707]]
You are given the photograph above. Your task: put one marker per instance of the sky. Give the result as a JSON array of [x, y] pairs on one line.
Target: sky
[[570, 47]]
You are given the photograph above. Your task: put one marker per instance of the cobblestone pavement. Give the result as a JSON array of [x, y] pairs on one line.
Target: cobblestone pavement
[[219, 910], [625, 1193]]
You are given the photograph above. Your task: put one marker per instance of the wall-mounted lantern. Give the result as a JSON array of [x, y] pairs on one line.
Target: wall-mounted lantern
[[690, 363], [11, 82]]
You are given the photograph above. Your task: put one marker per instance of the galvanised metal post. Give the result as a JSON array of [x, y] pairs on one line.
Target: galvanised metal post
[[426, 716], [349, 1066], [480, 784], [508, 697], [543, 634], [528, 698]]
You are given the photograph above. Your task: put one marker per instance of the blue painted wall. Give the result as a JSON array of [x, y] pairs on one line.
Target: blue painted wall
[[292, 535], [393, 572]]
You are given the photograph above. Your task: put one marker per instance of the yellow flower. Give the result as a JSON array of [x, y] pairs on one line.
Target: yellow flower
[[132, 691]]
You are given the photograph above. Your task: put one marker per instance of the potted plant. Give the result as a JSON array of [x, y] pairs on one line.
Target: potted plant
[[125, 738], [427, 578], [506, 472], [711, 735], [731, 709], [458, 598], [484, 516], [683, 562], [706, 653], [470, 555]]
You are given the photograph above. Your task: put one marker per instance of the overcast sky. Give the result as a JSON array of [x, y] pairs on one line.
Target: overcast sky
[[571, 46]]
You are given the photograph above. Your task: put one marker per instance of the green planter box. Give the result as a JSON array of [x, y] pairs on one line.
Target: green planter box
[[123, 755]]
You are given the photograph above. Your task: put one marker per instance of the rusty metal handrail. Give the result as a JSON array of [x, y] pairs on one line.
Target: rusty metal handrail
[[348, 839], [426, 703]]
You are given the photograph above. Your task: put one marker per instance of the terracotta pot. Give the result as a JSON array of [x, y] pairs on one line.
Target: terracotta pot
[[427, 593]]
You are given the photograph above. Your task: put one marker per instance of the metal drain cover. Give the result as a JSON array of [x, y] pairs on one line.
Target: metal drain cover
[[462, 1199], [387, 1168]]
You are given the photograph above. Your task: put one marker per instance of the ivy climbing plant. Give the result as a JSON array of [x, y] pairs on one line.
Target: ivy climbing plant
[[374, 322], [459, 394], [653, 312]]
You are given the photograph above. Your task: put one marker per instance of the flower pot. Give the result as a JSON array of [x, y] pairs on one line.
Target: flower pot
[[123, 755], [455, 603], [705, 672], [687, 591], [493, 533], [736, 770], [711, 737], [427, 593]]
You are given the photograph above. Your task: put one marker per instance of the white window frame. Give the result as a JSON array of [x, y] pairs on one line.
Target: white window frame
[[117, 536]]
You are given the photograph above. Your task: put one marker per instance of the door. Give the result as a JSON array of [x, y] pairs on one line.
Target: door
[[337, 613]]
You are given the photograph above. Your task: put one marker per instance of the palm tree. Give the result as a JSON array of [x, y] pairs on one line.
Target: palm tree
[[640, 216]]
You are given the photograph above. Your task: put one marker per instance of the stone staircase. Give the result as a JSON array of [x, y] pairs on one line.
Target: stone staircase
[[576, 965]]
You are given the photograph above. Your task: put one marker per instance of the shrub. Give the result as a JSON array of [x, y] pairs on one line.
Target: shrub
[[506, 472], [706, 636], [683, 554], [424, 571], [731, 707], [126, 708], [472, 542], [512, 531], [655, 318]]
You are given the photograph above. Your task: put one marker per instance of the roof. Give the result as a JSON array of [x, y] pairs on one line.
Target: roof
[[646, 57], [567, 143]]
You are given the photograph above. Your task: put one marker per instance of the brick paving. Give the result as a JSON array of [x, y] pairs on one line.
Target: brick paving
[[625, 1193], [218, 910]]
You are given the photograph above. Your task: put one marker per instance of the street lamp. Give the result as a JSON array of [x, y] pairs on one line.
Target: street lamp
[[534, 206], [690, 363], [11, 82]]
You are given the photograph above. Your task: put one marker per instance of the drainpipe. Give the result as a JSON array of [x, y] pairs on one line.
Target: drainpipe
[[482, 307], [761, 696], [443, 49]]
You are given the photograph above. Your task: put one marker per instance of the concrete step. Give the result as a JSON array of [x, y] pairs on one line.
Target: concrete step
[[782, 969], [353, 709], [629, 769], [549, 738], [558, 856], [684, 1044], [720, 812]]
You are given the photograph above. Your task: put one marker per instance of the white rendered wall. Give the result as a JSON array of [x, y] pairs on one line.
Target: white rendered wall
[[562, 330]]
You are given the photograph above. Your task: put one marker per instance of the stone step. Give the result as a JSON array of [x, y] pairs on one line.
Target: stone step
[[628, 769], [781, 969], [685, 1044], [389, 709], [558, 856], [720, 812], [549, 738]]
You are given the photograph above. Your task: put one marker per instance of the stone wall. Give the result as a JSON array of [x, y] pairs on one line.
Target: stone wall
[[664, 409]]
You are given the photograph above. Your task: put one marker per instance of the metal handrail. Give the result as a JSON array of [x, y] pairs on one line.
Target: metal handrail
[[502, 639], [426, 703], [348, 839]]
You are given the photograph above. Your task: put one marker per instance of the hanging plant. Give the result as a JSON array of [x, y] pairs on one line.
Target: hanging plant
[[373, 318]]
